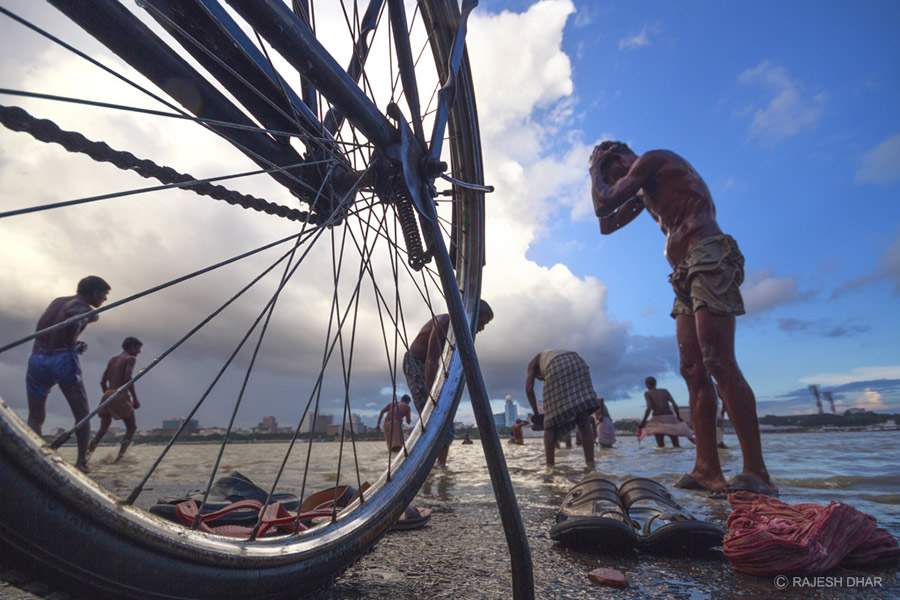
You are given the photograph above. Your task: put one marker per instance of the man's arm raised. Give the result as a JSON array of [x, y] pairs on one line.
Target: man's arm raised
[[622, 217], [619, 204]]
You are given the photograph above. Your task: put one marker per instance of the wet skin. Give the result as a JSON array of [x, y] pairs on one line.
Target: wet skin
[[623, 184]]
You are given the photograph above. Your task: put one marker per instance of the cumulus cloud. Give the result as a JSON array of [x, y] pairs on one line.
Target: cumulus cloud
[[540, 179], [763, 291], [869, 400], [789, 110], [881, 164], [533, 157]]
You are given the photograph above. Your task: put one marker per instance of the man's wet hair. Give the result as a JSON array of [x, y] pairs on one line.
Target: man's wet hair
[[405, 398], [615, 148], [485, 312], [651, 381], [91, 284], [130, 342]]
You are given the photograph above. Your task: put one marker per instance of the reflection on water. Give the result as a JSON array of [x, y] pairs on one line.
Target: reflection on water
[[462, 553]]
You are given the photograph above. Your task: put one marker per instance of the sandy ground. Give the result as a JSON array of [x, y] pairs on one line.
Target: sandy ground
[[462, 553]]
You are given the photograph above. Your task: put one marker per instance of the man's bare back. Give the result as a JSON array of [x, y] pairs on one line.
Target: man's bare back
[[58, 311], [428, 343], [666, 185], [658, 401], [440, 324], [119, 370]]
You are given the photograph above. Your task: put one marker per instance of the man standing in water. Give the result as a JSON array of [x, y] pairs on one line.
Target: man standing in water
[[393, 425], [658, 401], [569, 400], [119, 371], [421, 362], [708, 270], [54, 359]]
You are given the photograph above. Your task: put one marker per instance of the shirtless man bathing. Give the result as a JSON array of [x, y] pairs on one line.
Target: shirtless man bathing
[[119, 371], [708, 269], [54, 359]]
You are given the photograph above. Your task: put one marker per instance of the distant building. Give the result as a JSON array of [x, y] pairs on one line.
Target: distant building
[[512, 411], [500, 420], [321, 424], [267, 425], [173, 424], [356, 424]]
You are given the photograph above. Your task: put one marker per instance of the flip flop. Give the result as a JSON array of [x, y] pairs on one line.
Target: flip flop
[[226, 491], [593, 518], [412, 518], [340, 496], [665, 525], [275, 516]]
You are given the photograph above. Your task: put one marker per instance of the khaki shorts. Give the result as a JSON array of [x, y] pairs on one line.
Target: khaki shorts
[[709, 276]]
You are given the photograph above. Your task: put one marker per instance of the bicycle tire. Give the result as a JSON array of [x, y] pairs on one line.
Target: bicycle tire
[[66, 527]]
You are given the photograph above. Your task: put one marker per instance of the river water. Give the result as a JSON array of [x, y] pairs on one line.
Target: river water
[[462, 552]]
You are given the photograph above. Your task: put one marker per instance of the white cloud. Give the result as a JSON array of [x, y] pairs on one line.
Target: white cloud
[[762, 291], [539, 169], [869, 400], [637, 40], [789, 109], [881, 164]]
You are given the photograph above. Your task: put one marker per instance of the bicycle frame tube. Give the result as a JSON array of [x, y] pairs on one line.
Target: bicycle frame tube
[[297, 44]]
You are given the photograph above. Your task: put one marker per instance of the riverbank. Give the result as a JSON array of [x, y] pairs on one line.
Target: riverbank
[[462, 552]]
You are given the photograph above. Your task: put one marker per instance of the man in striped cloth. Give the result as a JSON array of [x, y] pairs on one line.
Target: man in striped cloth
[[569, 399]]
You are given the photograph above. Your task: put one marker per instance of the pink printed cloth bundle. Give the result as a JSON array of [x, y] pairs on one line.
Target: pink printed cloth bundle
[[768, 537]]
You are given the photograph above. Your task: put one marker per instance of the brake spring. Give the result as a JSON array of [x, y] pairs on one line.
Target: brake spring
[[418, 257]]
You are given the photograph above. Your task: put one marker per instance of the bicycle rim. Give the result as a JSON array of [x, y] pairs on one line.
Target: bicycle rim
[[343, 233]]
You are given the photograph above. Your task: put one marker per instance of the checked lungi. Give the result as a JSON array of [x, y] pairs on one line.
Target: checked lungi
[[568, 392]]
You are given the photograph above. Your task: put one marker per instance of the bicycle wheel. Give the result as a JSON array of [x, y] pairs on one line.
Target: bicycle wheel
[[315, 295]]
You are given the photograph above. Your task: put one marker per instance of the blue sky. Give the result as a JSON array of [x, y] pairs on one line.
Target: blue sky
[[788, 111]]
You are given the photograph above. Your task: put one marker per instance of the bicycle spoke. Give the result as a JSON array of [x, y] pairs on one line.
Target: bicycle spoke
[[317, 331]]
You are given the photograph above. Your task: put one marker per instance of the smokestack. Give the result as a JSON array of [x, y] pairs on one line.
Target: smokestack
[[815, 390]]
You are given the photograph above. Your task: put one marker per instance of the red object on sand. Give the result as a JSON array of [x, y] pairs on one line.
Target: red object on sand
[[768, 537], [609, 577]]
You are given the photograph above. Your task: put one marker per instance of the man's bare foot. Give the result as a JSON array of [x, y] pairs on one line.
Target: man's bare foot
[[82, 466], [690, 482], [751, 483]]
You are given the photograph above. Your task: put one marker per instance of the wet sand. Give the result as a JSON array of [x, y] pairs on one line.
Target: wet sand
[[462, 553]]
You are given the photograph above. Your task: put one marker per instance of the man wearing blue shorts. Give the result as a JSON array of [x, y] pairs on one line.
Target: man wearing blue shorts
[[54, 359]]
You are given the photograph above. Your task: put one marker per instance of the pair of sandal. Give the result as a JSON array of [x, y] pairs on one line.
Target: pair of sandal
[[641, 513]]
